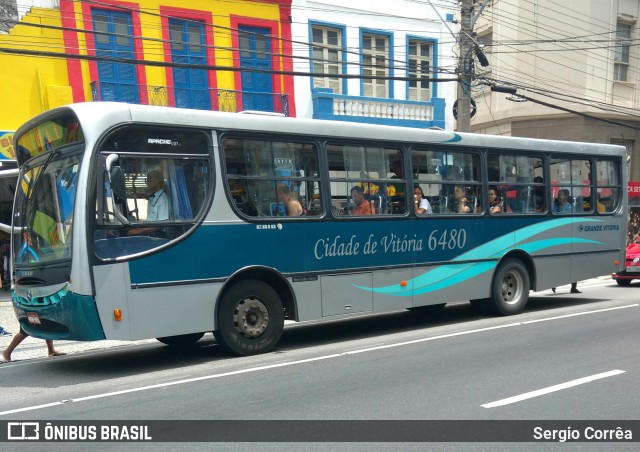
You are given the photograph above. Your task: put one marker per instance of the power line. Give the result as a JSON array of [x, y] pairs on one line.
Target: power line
[[441, 67], [24, 52], [569, 110]]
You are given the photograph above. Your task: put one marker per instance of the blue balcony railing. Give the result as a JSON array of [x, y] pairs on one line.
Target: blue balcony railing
[[210, 99]]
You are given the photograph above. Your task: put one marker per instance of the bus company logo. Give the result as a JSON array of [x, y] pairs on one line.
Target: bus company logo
[[598, 227], [269, 226], [25, 431], [163, 141]]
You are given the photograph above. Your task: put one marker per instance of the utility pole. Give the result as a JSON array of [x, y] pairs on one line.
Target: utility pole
[[465, 67]]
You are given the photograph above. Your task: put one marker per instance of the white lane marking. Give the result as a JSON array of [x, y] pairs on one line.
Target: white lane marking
[[543, 391], [526, 322], [37, 407], [303, 361]]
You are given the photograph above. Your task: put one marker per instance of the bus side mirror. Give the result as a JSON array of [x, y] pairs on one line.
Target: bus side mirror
[[116, 181]]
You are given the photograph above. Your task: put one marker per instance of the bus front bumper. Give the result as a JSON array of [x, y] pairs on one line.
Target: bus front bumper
[[62, 316]]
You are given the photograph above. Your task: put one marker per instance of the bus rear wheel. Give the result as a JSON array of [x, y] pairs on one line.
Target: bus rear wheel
[[250, 319], [183, 340], [510, 290]]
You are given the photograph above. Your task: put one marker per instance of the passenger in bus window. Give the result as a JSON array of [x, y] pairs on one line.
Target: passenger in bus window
[[362, 205], [461, 203], [495, 201], [600, 206], [538, 195], [293, 206], [586, 202], [562, 203], [420, 203], [398, 173]]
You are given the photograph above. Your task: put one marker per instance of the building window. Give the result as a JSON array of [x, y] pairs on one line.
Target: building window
[[420, 64], [114, 41], [326, 54], [621, 52], [191, 86], [375, 56]]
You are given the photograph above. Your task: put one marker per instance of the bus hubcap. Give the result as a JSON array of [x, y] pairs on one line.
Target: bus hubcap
[[511, 287], [251, 317]]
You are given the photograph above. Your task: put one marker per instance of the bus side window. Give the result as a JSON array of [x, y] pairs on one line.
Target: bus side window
[[375, 173], [571, 185], [166, 187], [440, 171], [519, 178], [608, 190], [267, 178]]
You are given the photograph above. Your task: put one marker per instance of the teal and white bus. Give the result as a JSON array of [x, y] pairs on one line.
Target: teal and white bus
[[386, 219]]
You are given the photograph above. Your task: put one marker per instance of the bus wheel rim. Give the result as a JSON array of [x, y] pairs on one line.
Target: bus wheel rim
[[251, 317], [512, 287]]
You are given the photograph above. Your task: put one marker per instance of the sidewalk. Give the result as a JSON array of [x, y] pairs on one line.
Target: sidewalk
[[32, 348]]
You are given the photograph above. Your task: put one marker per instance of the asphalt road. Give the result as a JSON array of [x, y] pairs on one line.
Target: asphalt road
[[567, 357]]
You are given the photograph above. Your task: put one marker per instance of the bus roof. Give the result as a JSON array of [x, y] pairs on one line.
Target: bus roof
[[104, 115]]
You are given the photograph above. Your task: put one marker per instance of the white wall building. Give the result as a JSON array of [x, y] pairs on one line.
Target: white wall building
[[388, 39], [579, 55]]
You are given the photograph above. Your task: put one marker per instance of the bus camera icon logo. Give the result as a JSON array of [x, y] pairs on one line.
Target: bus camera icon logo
[[29, 431]]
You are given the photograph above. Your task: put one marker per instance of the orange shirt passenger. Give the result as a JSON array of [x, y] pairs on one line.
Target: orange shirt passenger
[[363, 207]]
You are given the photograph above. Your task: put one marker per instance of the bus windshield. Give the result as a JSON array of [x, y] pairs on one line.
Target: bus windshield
[[43, 215]]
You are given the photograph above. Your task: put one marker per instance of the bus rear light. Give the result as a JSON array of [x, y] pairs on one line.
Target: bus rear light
[[117, 314], [403, 284]]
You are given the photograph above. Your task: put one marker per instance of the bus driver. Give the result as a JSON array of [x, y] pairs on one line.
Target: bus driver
[[157, 205]]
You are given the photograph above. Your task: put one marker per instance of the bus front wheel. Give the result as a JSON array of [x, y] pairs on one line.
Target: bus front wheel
[[250, 319], [510, 290]]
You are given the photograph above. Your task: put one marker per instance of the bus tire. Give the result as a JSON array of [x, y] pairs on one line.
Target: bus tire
[[183, 340], [250, 319], [510, 288], [623, 282]]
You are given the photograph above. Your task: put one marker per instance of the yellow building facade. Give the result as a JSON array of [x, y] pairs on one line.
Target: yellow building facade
[[216, 55]]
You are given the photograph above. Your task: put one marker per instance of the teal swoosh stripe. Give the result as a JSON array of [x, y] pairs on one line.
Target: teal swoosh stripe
[[488, 249], [534, 247], [448, 275], [456, 278]]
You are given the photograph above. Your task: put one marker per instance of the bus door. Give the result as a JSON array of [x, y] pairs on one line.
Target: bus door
[[147, 204]]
